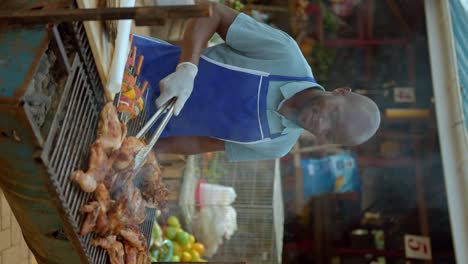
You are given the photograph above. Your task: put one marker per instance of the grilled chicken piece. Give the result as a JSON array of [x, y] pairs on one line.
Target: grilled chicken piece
[[131, 254], [111, 132], [104, 242], [99, 165], [114, 249], [92, 210], [102, 227], [137, 207], [123, 191], [97, 220], [125, 156], [135, 203], [134, 238], [154, 192], [119, 216], [143, 258], [103, 198]]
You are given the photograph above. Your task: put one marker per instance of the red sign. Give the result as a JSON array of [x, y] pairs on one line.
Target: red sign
[[418, 247]]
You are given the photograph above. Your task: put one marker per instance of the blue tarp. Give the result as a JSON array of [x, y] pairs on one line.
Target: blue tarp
[[459, 13]]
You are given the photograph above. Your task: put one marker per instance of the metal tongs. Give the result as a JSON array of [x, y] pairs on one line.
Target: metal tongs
[[141, 156]]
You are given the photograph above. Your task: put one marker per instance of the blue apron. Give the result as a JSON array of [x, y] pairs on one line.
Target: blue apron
[[227, 102]]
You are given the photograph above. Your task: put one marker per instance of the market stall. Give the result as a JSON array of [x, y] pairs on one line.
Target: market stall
[[74, 199]]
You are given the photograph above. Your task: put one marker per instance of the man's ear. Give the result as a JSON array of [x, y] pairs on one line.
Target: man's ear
[[342, 91]]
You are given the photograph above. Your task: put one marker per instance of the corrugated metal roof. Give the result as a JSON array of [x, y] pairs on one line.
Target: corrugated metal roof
[[459, 13]]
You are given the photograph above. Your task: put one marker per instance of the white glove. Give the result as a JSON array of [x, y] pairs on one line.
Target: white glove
[[178, 84]]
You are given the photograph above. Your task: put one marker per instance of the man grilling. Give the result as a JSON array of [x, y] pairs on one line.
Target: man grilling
[[251, 96]]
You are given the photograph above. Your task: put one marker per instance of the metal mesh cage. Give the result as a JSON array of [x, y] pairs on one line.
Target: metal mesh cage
[[255, 240]]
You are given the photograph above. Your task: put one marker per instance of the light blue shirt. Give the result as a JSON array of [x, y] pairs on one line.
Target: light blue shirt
[[257, 46]]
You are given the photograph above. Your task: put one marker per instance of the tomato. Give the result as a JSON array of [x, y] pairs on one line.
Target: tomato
[[173, 221], [199, 247]]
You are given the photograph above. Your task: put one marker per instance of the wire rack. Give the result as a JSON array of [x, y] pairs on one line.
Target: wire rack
[[67, 145]]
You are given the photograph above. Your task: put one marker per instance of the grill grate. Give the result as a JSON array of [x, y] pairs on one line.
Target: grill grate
[[72, 131]]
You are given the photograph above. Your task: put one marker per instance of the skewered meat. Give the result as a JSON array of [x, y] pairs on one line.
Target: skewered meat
[[114, 248], [111, 132], [99, 165], [131, 254], [134, 238]]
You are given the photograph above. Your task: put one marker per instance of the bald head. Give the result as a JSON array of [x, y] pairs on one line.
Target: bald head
[[359, 121], [338, 117]]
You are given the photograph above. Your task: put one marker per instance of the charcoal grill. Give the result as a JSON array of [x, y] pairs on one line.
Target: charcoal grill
[[54, 125]]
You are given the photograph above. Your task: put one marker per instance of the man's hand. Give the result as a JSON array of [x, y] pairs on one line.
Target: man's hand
[[178, 84]]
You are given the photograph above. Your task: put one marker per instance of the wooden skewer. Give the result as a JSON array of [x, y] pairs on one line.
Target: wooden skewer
[[140, 62], [134, 50], [143, 89]]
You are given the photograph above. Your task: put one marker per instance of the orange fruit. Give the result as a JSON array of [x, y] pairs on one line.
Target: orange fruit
[[199, 247]]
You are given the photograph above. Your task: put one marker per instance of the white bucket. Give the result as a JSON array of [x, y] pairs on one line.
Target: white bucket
[[213, 194]]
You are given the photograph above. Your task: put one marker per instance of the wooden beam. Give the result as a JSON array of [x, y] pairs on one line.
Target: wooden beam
[[154, 15], [267, 8], [326, 147]]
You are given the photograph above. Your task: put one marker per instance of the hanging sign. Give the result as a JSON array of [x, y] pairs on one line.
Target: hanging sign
[[418, 247], [404, 95]]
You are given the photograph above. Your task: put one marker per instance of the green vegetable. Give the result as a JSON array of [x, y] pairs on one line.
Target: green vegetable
[[173, 221], [171, 232], [182, 238], [156, 234]]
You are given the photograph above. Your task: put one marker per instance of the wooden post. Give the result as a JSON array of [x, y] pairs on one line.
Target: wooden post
[[299, 178], [422, 208]]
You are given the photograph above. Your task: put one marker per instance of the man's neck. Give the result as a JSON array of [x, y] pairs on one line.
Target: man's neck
[[293, 105]]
